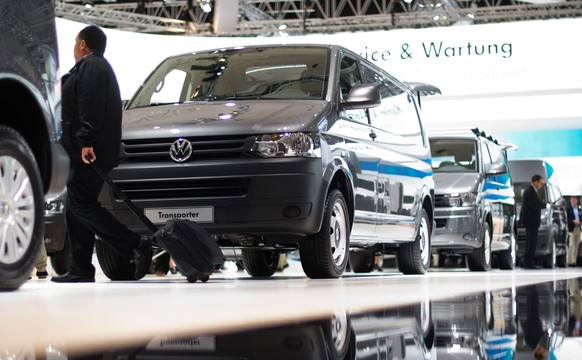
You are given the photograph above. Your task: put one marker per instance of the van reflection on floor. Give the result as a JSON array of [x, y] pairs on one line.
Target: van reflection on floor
[[477, 326], [401, 333], [536, 320]]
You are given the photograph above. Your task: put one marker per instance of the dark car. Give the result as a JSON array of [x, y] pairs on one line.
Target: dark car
[[474, 201], [34, 165], [277, 148], [552, 245]]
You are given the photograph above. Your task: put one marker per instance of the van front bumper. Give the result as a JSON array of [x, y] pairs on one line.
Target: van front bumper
[[255, 197], [456, 228]]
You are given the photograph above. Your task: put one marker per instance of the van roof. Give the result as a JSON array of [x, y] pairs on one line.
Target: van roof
[[464, 133], [522, 170]]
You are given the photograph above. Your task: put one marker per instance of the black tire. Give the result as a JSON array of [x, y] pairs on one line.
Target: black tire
[[361, 261], [115, 266], [508, 258], [260, 263], [24, 210], [325, 255], [415, 257], [480, 258], [337, 332], [60, 260], [549, 260], [562, 261]]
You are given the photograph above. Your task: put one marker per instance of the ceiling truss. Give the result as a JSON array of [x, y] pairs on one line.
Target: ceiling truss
[[286, 17]]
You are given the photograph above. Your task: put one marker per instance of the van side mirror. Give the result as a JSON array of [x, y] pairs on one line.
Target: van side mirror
[[496, 169], [363, 96]]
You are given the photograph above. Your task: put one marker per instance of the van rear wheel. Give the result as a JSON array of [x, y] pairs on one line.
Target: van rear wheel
[[362, 261], [260, 263], [115, 266], [325, 254]]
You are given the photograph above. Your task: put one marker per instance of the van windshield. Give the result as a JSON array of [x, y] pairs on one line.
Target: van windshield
[[519, 188], [454, 155], [235, 74]]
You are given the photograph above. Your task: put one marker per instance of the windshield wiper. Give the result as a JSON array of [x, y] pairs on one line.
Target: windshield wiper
[[163, 103]]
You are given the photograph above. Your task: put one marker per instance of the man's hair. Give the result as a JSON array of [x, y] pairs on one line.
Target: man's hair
[[95, 39], [536, 178]]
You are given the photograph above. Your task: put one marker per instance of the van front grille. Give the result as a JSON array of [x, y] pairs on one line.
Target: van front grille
[[185, 189], [209, 147]]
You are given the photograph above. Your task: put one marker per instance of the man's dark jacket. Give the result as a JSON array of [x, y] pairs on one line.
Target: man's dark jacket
[[91, 105], [531, 208], [570, 215]]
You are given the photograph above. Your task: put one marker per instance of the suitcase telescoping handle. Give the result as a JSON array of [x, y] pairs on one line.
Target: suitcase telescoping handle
[[147, 222]]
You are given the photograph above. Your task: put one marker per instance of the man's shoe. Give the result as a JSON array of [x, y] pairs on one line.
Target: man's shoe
[[72, 278], [142, 257], [41, 274]]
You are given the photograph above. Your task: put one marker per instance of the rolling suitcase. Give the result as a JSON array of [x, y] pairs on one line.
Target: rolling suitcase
[[194, 251]]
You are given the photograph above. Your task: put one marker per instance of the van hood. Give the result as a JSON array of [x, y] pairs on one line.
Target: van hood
[[223, 118], [450, 183]]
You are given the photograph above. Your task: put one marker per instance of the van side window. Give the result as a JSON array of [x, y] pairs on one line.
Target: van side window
[[397, 113], [349, 76], [486, 156], [496, 155]]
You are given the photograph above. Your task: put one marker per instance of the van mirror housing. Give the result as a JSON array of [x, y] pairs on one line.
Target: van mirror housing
[[496, 169], [363, 96]]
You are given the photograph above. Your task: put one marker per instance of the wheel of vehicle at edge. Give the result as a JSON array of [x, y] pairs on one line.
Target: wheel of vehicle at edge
[[260, 263], [508, 258], [115, 266], [361, 261], [414, 257], [325, 254], [480, 258], [22, 213]]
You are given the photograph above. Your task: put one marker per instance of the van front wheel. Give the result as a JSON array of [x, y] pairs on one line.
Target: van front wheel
[[480, 258], [325, 254]]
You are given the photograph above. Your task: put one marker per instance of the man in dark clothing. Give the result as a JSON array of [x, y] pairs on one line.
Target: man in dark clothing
[[574, 215], [531, 212], [91, 114]]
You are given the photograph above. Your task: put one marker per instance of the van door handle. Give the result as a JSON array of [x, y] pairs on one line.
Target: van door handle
[[373, 135]]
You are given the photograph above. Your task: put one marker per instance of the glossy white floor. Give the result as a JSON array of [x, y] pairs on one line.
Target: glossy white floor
[[80, 317]]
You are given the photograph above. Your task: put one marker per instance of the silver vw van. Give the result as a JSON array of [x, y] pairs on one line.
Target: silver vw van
[[278, 148], [474, 199]]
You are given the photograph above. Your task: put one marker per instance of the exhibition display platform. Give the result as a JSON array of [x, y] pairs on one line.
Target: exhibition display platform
[[90, 319]]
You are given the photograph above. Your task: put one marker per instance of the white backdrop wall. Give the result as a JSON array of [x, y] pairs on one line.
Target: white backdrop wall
[[520, 82]]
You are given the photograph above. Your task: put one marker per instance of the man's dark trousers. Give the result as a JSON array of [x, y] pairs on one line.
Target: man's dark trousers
[[86, 218], [530, 245]]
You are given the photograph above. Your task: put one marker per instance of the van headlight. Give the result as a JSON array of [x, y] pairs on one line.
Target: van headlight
[[297, 144], [461, 199]]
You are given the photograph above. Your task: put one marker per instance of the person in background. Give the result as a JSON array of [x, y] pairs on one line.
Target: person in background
[[573, 212], [531, 212], [41, 263], [91, 115]]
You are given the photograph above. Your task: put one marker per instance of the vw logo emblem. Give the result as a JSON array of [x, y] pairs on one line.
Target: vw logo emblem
[[180, 150]]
